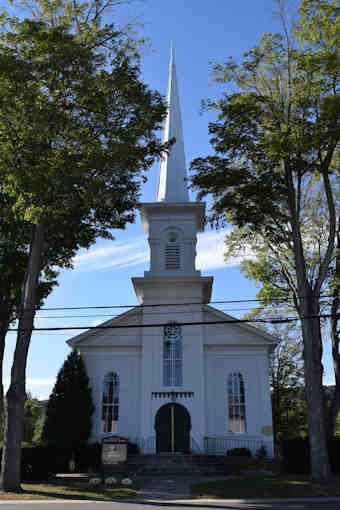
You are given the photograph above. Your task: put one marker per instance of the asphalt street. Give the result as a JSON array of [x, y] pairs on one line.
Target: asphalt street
[[320, 504]]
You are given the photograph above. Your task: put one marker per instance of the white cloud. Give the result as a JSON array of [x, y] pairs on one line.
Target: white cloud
[[135, 251], [119, 255], [210, 251]]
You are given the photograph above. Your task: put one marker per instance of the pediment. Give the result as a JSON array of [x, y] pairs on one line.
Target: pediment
[[118, 331], [232, 332]]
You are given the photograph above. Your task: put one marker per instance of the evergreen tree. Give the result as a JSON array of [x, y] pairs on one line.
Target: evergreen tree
[[70, 406]]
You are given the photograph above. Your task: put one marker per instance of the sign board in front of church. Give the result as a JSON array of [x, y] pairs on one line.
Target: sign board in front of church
[[114, 449]]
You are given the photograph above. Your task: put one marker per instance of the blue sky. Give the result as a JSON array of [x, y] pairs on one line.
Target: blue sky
[[202, 32]]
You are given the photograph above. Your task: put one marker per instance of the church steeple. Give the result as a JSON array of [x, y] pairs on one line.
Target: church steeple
[[171, 183], [172, 223]]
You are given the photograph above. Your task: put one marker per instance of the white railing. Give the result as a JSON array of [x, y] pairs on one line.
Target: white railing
[[218, 445], [194, 446], [146, 445], [221, 444]]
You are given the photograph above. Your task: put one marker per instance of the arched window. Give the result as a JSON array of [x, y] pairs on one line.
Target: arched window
[[172, 251], [172, 355], [236, 403], [110, 410]]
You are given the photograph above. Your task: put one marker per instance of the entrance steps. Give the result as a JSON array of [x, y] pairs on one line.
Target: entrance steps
[[164, 465], [170, 465]]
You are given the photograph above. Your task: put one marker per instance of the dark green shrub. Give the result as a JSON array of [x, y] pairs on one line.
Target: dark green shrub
[[41, 462], [295, 455], [239, 452], [334, 455], [261, 453], [88, 458], [132, 449]]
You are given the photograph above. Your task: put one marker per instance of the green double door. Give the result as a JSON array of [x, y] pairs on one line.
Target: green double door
[[173, 427]]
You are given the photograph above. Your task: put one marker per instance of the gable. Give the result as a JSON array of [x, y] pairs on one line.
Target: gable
[[111, 334], [230, 333]]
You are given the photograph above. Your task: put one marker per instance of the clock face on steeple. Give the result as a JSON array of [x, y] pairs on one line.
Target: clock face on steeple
[[172, 331]]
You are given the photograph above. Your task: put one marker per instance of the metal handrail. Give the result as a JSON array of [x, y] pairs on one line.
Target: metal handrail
[[194, 446], [146, 445]]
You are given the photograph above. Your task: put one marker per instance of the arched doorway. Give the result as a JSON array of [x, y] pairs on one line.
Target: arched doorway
[[172, 425]]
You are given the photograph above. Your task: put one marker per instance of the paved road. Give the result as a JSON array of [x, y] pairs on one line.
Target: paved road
[[185, 505], [173, 493]]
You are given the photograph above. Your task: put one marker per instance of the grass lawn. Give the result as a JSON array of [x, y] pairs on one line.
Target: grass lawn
[[69, 490], [264, 487]]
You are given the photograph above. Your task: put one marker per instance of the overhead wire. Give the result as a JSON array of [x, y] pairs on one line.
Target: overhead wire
[[274, 320], [154, 305], [178, 312]]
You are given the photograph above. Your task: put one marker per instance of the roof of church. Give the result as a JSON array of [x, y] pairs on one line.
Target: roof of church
[[172, 175]]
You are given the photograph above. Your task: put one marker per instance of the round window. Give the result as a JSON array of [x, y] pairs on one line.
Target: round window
[[172, 331]]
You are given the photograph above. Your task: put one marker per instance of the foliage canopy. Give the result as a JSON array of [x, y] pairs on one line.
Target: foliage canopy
[[275, 175]]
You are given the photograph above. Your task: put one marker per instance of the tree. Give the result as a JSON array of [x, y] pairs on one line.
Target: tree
[[277, 143], [286, 373], [77, 134], [275, 280], [70, 407], [334, 407], [33, 414], [14, 243]]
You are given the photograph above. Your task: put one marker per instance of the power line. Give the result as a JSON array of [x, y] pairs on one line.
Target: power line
[[155, 325], [145, 313], [103, 307]]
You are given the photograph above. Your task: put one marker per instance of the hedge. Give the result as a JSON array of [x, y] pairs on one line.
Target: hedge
[[41, 462], [296, 459]]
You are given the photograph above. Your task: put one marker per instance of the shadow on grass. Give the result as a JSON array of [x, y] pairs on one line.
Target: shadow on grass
[[57, 490], [262, 487], [57, 495]]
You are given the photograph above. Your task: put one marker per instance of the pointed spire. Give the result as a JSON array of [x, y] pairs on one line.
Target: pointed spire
[[171, 184]]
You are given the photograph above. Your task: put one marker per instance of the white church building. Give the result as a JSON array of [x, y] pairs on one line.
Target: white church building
[[174, 374]]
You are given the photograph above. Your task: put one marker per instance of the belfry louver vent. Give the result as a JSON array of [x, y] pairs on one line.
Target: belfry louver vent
[[172, 256]]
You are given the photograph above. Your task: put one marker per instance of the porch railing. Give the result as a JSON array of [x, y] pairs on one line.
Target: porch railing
[[218, 445], [221, 444], [194, 446], [146, 445]]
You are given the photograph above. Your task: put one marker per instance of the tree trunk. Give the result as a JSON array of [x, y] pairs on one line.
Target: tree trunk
[[312, 342], [335, 338], [5, 318], [309, 309], [334, 408], [2, 407], [333, 411], [11, 455], [3, 331]]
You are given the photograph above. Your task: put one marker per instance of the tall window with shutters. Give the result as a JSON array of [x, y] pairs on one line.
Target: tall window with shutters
[[236, 403], [110, 404], [172, 355]]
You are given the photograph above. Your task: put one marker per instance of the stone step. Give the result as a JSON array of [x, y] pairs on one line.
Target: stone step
[[163, 465]]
